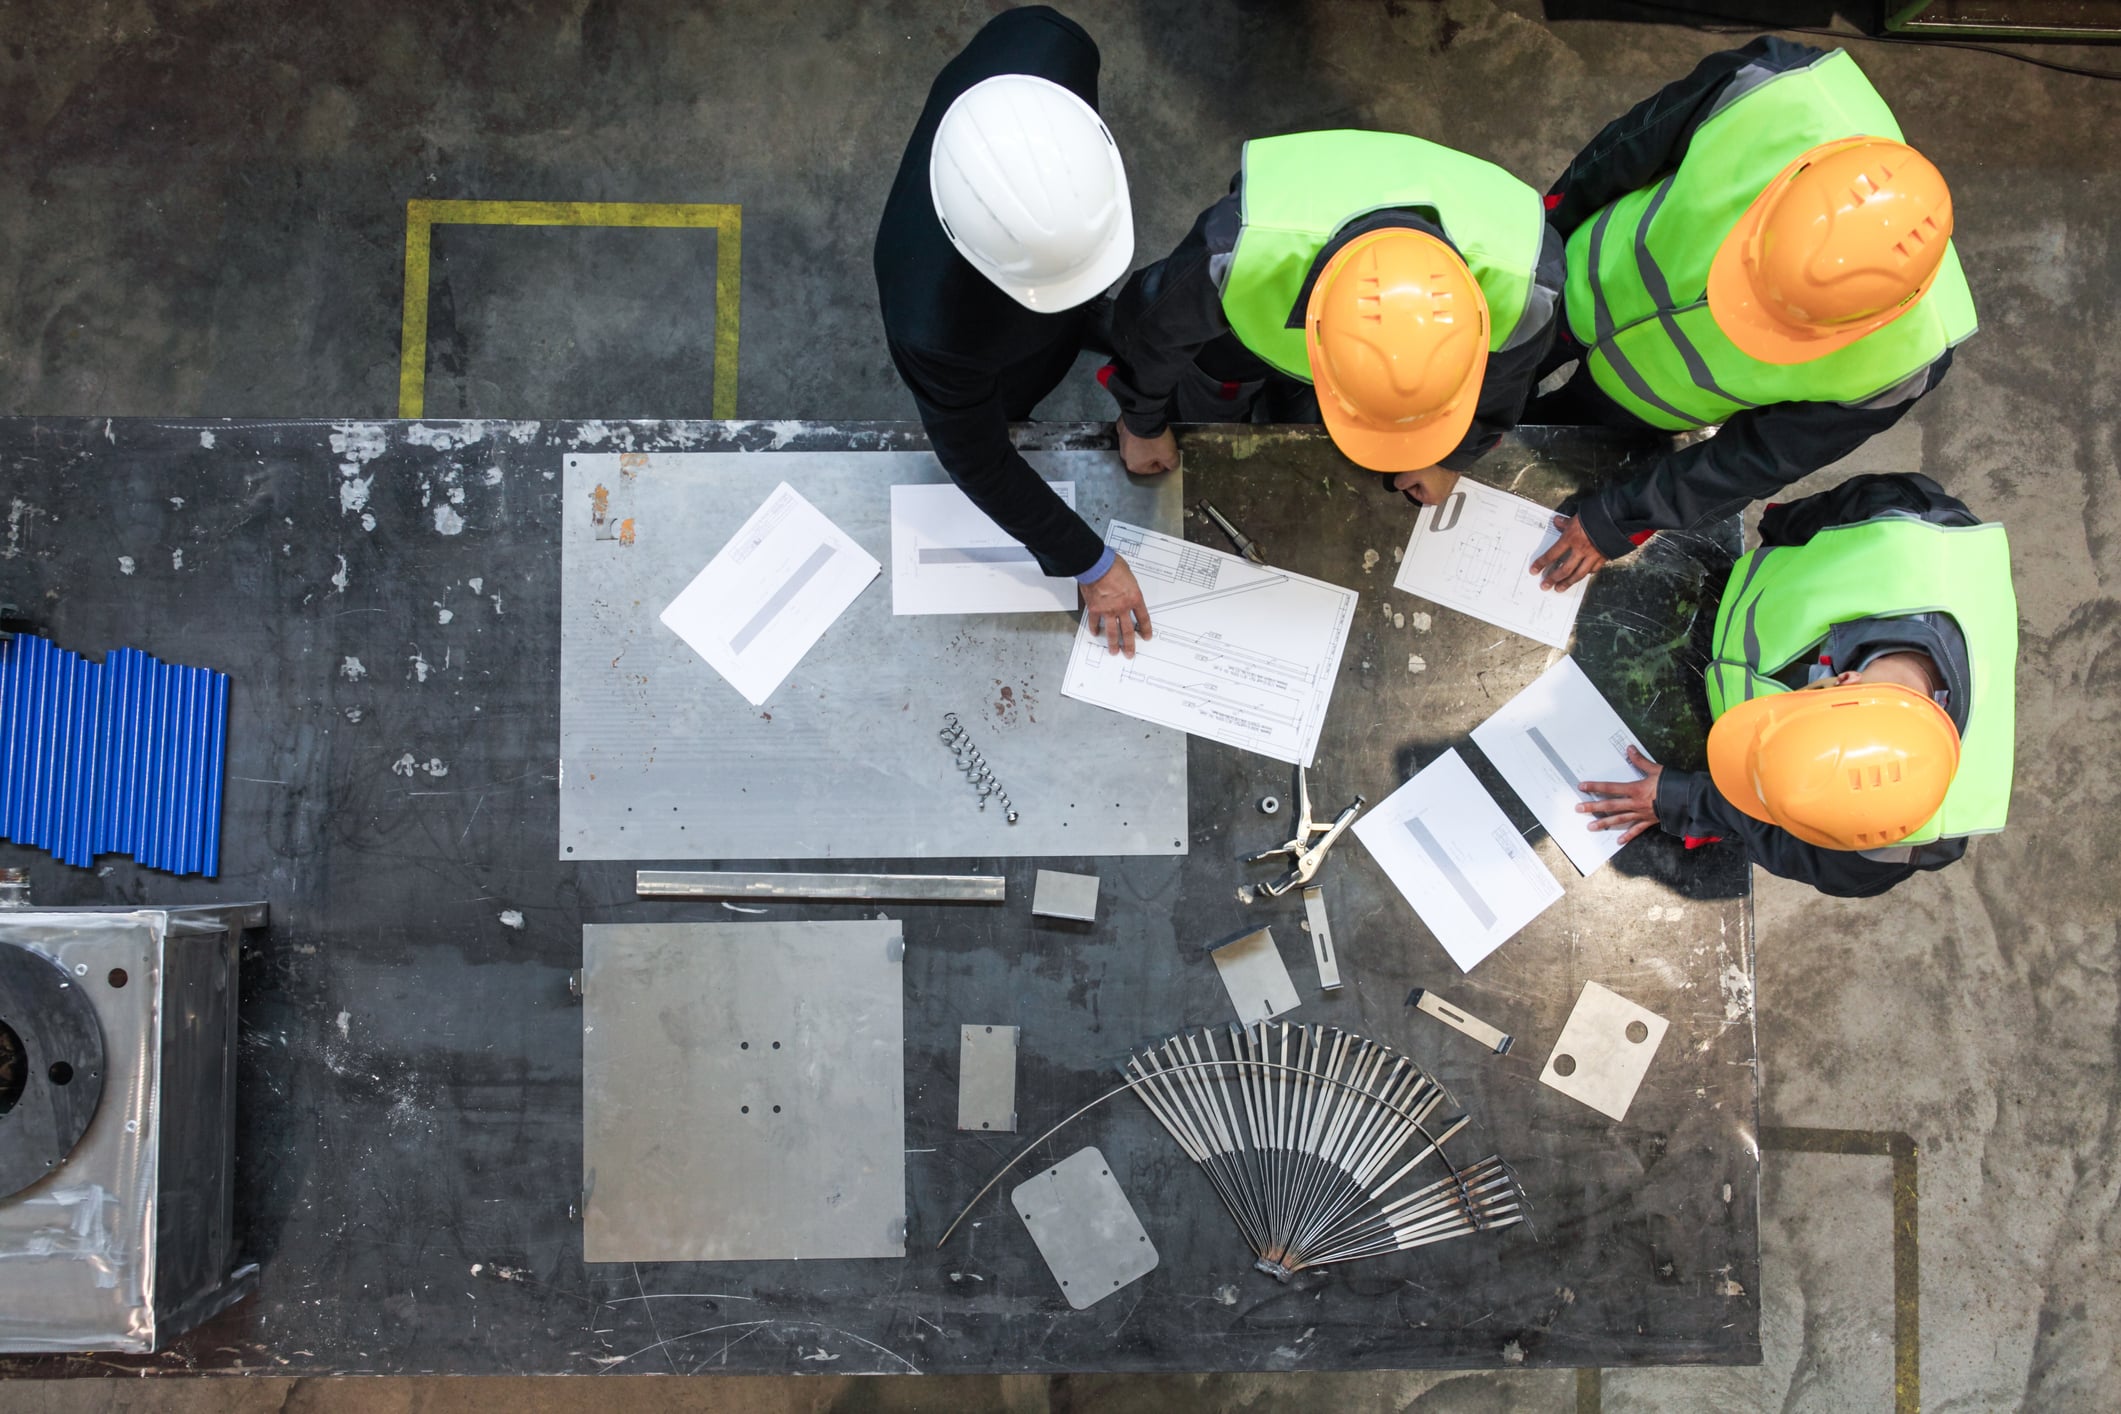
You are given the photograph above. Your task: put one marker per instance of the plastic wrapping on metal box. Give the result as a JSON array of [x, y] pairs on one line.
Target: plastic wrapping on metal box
[[130, 1239]]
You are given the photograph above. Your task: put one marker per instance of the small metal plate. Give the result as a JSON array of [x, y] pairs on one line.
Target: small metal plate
[[1084, 1227], [1321, 938], [986, 1078], [743, 1091], [1255, 976], [1058, 895], [1605, 1049]]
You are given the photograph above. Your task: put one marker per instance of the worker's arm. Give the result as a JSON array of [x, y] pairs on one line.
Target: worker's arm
[[1513, 370], [1862, 498], [1752, 456], [1689, 805], [1165, 314], [962, 410], [1647, 141]]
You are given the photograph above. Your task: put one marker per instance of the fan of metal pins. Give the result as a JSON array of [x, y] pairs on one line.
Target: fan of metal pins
[[1306, 1133], [974, 766]]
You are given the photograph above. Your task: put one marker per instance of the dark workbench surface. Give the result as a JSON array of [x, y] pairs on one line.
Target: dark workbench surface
[[410, 1116]]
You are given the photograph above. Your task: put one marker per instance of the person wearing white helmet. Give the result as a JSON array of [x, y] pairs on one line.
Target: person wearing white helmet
[[1009, 215]]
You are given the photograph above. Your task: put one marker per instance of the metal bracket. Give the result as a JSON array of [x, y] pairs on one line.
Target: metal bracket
[[1321, 938]]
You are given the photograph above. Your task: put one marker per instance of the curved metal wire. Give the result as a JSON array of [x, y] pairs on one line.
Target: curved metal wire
[[1418, 1126]]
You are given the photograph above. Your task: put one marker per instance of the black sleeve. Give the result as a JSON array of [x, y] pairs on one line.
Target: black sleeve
[[1163, 317], [1513, 372], [1648, 140], [1752, 456], [1862, 498], [961, 407], [1688, 803]]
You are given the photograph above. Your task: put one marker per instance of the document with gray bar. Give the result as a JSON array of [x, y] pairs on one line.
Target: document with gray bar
[[1551, 738], [770, 594], [1447, 846], [948, 558]]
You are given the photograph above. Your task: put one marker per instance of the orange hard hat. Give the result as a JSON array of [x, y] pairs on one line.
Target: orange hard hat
[[1856, 767], [1843, 242], [1397, 334]]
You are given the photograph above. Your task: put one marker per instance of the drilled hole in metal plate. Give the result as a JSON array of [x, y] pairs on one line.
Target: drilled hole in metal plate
[[1564, 1065], [776, 1045], [61, 1073], [117, 977], [984, 1125], [776, 1109], [743, 1045], [1637, 1032], [14, 1067], [744, 1109]]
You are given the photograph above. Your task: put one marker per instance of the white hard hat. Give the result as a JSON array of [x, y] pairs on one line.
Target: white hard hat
[[1028, 185]]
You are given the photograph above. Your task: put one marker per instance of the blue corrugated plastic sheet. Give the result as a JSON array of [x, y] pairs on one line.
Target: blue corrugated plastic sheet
[[122, 756]]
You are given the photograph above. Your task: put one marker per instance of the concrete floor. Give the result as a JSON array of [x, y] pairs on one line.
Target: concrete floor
[[201, 213]]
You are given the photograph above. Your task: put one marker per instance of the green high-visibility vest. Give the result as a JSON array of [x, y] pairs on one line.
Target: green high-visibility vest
[[1782, 600], [1638, 271], [1297, 191]]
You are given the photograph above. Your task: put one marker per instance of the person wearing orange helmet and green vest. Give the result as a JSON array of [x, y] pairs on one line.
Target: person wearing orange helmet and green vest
[[1401, 292], [1755, 250], [1863, 680]]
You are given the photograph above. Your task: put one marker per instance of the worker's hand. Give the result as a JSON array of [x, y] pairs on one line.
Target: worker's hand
[[1429, 486], [1116, 607], [1572, 556], [1624, 805], [1147, 456]]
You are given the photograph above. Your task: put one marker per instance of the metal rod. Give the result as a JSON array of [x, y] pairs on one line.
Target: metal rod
[[902, 888]]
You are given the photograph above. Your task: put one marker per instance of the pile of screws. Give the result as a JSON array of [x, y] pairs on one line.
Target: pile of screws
[[974, 766]]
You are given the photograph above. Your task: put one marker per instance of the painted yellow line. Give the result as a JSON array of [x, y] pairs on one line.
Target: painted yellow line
[[1907, 1236], [421, 217]]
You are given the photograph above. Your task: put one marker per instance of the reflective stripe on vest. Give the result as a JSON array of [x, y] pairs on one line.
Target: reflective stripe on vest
[[1782, 600], [1638, 270], [1297, 191]]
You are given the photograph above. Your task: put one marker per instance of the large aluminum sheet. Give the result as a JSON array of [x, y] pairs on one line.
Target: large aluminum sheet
[[662, 759], [743, 1091]]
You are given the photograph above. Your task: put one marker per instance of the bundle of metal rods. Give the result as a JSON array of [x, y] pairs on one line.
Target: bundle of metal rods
[[1308, 1134]]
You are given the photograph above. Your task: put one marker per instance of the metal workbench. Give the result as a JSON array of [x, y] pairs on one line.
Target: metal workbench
[[410, 1121]]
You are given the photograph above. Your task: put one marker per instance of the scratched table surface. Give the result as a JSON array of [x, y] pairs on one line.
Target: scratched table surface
[[385, 597]]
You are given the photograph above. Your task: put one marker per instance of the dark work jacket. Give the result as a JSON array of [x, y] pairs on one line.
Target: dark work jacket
[[1688, 803], [1759, 450], [974, 358], [1170, 315]]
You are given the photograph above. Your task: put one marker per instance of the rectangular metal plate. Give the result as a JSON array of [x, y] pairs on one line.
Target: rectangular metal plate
[[743, 1091], [1608, 1042], [1255, 977], [1058, 895], [986, 1078], [1321, 938], [662, 759], [1084, 1227], [1422, 999]]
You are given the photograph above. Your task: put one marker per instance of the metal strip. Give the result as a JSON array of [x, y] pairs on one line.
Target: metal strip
[[1321, 938], [1422, 999], [902, 888]]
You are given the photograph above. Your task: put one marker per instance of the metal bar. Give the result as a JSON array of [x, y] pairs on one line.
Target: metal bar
[[902, 888]]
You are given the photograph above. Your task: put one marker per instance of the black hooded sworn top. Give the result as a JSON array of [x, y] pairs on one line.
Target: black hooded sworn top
[[974, 358]]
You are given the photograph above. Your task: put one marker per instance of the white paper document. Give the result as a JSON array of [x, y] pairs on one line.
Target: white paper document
[[1547, 739], [1473, 553], [1448, 847], [770, 594], [948, 558], [1243, 654]]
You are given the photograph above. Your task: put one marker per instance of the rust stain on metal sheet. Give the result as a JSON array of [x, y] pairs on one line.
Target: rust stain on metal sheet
[[626, 531], [630, 464], [599, 505]]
